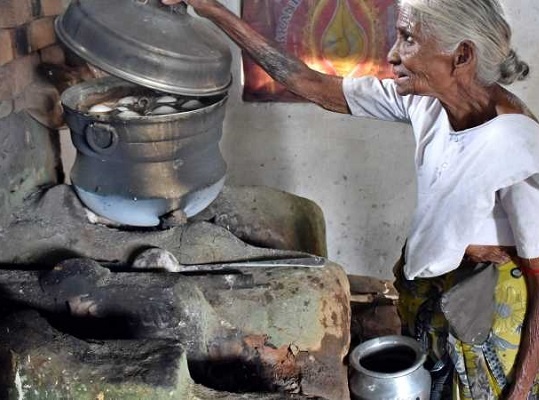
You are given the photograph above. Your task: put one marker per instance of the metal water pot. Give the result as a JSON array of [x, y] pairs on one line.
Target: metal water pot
[[389, 368]]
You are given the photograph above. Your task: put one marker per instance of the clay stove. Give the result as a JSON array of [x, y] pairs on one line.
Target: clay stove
[[252, 310]]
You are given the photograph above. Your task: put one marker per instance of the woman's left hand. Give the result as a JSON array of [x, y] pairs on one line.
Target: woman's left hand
[[516, 393], [516, 396], [527, 363], [494, 254]]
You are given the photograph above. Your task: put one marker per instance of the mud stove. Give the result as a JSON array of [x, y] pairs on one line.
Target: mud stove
[[148, 278]]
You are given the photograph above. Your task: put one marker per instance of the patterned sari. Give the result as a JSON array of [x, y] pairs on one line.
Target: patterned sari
[[464, 371]]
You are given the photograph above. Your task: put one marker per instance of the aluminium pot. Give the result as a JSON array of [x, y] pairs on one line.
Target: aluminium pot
[[389, 368], [135, 170]]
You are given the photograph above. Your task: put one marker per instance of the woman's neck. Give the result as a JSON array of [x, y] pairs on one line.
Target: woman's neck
[[471, 105]]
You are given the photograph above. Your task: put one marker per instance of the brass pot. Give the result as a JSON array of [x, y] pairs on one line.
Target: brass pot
[[134, 170]]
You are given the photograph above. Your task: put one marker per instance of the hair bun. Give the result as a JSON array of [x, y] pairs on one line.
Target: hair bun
[[513, 69]]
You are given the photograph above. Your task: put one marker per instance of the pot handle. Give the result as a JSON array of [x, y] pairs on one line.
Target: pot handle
[[101, 138]]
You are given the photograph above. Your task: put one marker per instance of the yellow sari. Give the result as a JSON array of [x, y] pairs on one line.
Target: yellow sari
[[474, 371]]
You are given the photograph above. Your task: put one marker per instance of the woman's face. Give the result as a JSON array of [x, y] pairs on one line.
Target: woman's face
[[419, 66]]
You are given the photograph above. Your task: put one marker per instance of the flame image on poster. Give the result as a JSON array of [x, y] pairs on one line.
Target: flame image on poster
[[337, 37]]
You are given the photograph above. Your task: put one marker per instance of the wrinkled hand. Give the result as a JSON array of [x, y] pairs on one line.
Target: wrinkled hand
[[196, 4], [515, 394], [495, 254]]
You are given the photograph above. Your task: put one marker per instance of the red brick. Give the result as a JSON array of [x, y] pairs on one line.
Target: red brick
[[15, 12], [17, 75], [51, 8], [41, 33], [53, 55], [8, 50]]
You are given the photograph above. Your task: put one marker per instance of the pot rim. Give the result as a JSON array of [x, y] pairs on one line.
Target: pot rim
[[373, 345], [68, 102]]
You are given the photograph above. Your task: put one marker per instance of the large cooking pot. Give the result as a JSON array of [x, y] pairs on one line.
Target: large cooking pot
[[389, 368], [134, 170]]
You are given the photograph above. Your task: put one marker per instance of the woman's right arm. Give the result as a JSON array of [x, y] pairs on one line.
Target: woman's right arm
[[322, 89]]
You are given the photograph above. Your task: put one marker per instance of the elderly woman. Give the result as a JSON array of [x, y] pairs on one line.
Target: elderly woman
[[469, 273]]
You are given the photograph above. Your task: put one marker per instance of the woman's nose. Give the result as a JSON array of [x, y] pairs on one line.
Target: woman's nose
[[393, 56]]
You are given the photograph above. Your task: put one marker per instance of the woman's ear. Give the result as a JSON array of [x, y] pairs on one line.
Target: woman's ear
[[464, 55]]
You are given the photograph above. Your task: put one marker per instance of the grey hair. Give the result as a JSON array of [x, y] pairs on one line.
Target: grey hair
[[481, 22]]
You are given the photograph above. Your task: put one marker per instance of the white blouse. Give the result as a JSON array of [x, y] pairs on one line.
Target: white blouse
[[476, 186]]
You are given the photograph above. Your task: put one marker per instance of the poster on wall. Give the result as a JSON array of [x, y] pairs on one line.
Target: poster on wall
[[338, 37]]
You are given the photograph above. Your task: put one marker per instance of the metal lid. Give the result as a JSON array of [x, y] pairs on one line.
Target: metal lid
[[147, 43]]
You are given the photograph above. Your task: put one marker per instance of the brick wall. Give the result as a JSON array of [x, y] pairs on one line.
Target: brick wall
[[26, 38], [29, 150]]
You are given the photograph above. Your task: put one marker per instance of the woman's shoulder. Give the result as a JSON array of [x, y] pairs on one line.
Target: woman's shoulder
[[512, 132], [509, 103]]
